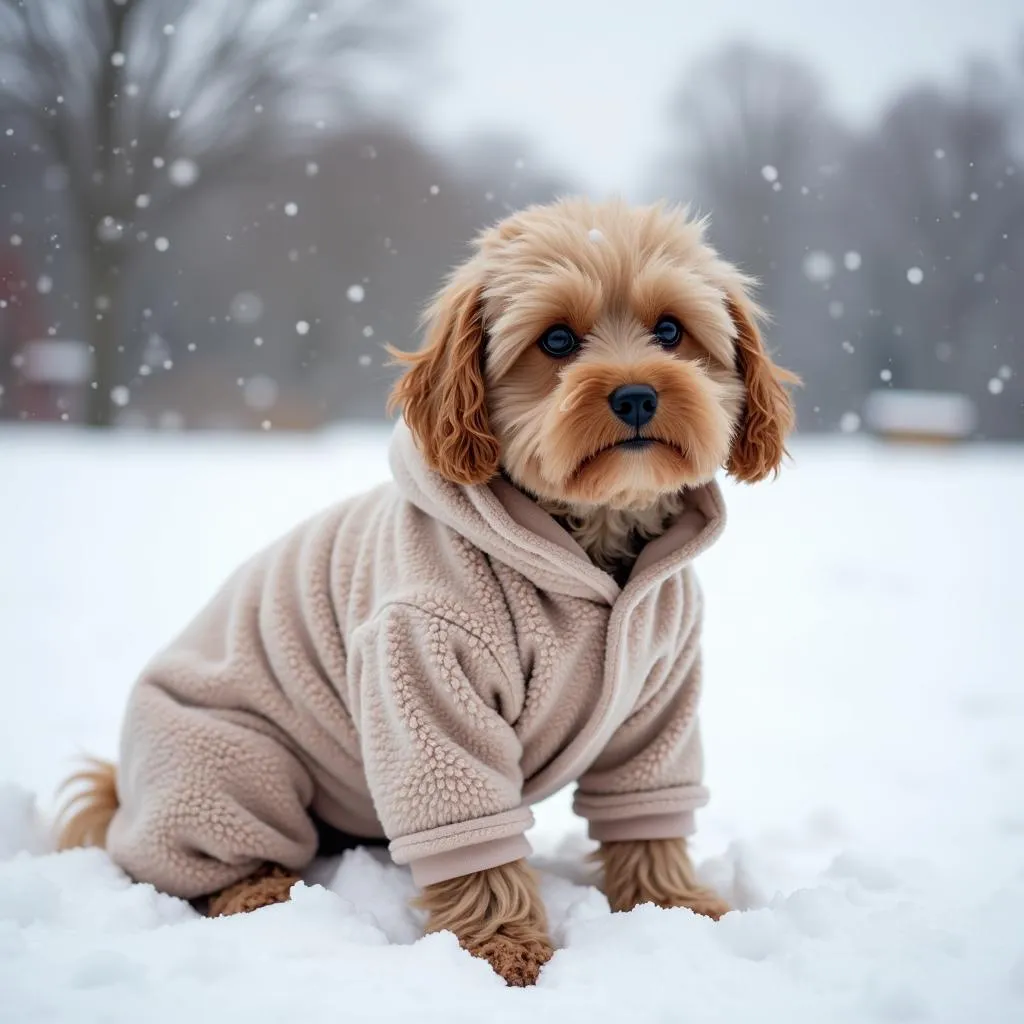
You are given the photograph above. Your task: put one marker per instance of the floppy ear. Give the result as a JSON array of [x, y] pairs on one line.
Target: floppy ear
[[760, 442], [442, 392]]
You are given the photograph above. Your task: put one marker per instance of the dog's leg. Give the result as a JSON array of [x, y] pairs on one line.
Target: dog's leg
[[270, 884], [495, 914], [655, 871]]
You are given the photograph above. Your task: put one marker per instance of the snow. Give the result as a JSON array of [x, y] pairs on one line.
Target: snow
[[355, 293], [183, 172], [162, 244], [770, 173], [862, 719], [915, 275]]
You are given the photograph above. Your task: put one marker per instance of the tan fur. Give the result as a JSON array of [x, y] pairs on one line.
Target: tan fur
[[655, 871], [497, 915], [481, 394], [269, 885], [85, 816]]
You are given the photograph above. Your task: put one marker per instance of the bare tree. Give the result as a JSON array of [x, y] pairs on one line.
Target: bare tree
[[144, 101], [756, 146]]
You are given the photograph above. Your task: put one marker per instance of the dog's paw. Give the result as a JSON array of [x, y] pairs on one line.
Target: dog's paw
[[264, 888], [517, 961], [701, 901]]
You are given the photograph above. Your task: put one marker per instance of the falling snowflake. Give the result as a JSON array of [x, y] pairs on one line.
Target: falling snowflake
[[162, 245], [849, 423], [770, 172], [302, 327], [995, 386], [15, 240], [168, 30], [886, 375], [312, 169], [109, 229], [257, 342], [851, 260], [367, 331], [848, 347], [1005, 373], [595, 235], [120, 396], [355, 293], [291, 209], [915, 275], [365, 360], [142, 201], [836, 309], [434, 190], [183, 172], [246, 308], [818, 265], [44, 285], [266, 425]]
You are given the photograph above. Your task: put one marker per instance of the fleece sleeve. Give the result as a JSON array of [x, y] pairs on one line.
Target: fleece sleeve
[[442, 763], [647, 782]]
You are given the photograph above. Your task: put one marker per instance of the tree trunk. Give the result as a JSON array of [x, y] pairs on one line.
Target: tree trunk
[[103, 317]]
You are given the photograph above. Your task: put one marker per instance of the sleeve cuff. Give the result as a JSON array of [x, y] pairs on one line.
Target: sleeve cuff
[[438, 854], [650, 826], [678, 803]]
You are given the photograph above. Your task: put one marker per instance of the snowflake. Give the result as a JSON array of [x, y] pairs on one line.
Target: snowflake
[[183, 172], [770, 172], [849, 423], [995, 386], [851, 260], [162, 245], [355, 293], [120, 396], [302, 327], [818, 265], [44, 285], [915, 275]]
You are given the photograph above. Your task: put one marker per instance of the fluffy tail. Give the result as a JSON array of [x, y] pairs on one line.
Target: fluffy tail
[[85, 816]]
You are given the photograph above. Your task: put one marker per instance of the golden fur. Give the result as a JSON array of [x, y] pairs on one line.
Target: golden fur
[[85, 816], [482, 398], [655, 871], [497, 914], [481, 395]]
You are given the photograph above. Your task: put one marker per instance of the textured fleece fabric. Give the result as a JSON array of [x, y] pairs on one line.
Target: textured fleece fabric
[[421, 664]]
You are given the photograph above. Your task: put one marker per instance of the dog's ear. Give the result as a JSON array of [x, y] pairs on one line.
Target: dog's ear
[[760, 442], [442, 392]]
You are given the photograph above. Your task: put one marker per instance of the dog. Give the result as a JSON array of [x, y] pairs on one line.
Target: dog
[[516, 611]]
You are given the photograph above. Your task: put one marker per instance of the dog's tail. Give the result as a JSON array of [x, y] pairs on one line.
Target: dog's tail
[[86, 815]]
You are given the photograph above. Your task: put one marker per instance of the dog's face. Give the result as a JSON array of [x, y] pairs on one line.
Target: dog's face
[[601, 355]]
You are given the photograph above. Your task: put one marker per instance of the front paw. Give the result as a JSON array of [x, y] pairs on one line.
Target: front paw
[[518, 961], [700, 901]]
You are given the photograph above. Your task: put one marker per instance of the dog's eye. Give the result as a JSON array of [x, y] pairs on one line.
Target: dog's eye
[[559, 341], [668, 332]]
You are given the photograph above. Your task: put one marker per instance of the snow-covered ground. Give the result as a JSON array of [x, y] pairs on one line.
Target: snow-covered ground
[[864, 726]]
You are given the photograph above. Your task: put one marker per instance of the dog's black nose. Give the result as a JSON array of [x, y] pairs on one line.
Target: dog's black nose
[[634, 404]]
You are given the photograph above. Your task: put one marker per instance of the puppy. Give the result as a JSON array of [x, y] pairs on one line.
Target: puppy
[[515, 612]]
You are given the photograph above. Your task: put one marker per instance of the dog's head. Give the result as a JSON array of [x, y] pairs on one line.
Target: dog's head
[[601, 355]]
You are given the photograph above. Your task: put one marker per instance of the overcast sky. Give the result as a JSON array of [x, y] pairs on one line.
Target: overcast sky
[[588, 81]]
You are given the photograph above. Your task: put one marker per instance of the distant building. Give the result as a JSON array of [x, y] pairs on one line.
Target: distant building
[[924, 417]]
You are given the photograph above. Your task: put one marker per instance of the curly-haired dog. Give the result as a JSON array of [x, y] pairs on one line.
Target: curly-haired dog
[[515, 612]]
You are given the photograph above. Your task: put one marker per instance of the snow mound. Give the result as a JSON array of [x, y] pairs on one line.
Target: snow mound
[[869, 941]]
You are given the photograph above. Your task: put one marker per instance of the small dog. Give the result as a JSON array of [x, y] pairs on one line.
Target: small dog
[[515, 612]]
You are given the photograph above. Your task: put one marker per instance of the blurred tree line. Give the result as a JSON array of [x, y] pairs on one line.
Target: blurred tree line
[[889, 257], [205, 197]]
